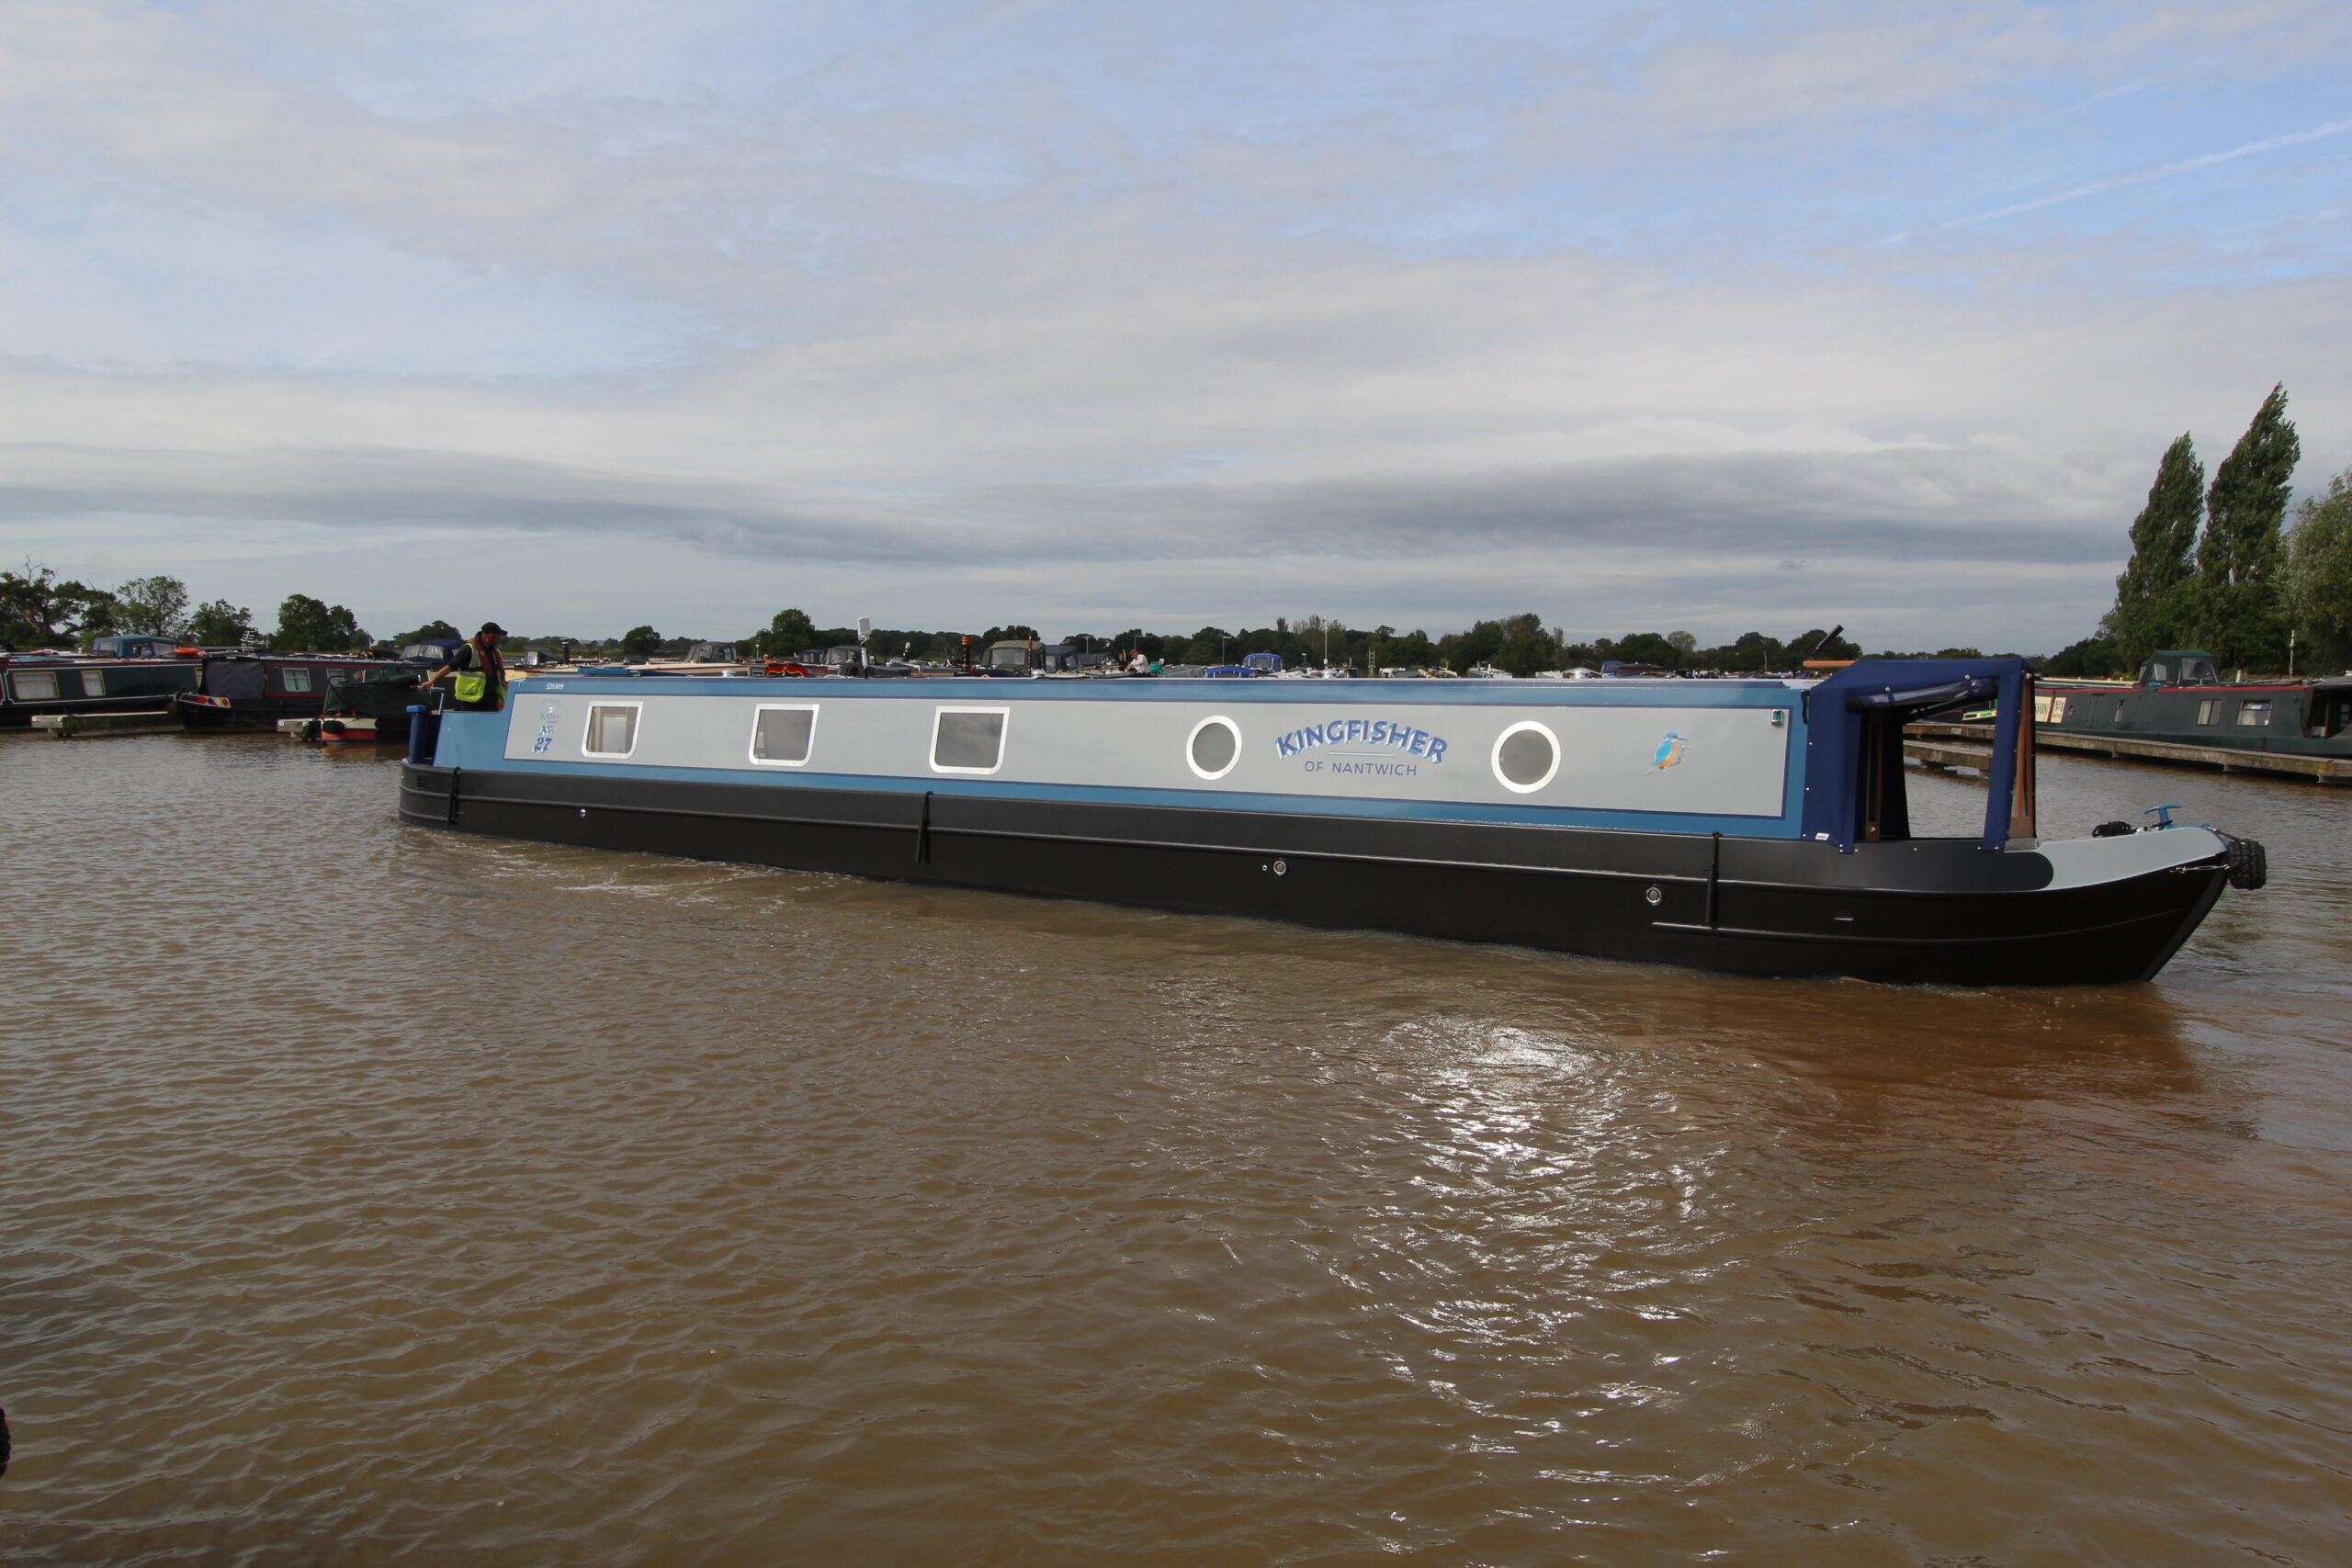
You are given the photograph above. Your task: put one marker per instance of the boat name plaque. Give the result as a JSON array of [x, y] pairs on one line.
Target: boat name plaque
[[1378, 735]]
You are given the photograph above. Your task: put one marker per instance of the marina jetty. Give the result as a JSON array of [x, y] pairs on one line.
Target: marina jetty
[[1748, 825]]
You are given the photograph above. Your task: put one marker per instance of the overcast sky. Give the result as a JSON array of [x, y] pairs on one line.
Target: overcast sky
[[579, 314]]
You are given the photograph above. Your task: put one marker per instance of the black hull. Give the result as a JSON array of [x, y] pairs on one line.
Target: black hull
[[1928, 912]]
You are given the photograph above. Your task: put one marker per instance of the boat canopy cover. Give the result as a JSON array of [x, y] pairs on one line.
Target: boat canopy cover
[[381, 693], [1839, 731], [236, 678]]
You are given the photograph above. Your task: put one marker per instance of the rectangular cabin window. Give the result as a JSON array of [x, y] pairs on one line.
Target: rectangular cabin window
[[967, 741], [612, 729], [94, 682], [2057, 710], [782, 735], [296, 677], [35, 686], [2208, 710], [2253, 712]]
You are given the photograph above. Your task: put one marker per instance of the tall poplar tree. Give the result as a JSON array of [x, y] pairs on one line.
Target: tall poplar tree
[[2150, 608], [2239, 558], [2319, 574]]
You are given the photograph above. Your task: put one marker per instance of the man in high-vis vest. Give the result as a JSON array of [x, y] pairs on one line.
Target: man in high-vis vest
[[481, 683]]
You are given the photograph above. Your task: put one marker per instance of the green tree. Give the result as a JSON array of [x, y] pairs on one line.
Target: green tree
[[640, 642], [2319, 574], [1819, 644], [2094, 658], [1645, 647], [308, 626], [1409, 651], [1208, 646], [37, 610], [431, 631], [219, 625], [2152, 598], [1516, 644], [2239, 609], [1526, 645], [100, 616], [1751, 653], [789, 632], [155, 606]]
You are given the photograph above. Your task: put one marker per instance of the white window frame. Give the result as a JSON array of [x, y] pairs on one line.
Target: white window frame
[[1195, 734], [751, 743], [588, 731], [1494, 758], [286, 673], [1004, 738]]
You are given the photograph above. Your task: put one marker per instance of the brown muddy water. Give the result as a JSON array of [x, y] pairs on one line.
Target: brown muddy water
[[372, 1195]]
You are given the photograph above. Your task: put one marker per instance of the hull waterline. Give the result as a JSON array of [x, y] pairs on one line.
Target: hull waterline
[[1916, 912]]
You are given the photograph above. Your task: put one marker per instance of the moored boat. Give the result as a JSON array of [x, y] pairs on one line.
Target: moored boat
[[255, 690], [37, 683], [2180, 699], [1746, 825]]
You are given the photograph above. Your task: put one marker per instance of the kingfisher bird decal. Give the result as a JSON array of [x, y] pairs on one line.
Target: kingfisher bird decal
[[1669, 751]]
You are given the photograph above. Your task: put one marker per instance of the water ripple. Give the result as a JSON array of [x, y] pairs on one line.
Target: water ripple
[[379, 1196]]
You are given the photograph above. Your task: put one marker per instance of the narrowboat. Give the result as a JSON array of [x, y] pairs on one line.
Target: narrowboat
[[255, 691], [370, 706], [63, 683], [2180, 699], [1756, 826]]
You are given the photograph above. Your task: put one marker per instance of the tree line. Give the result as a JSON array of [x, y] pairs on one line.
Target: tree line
[[2215, 566], [38, 609], [1520, 645]]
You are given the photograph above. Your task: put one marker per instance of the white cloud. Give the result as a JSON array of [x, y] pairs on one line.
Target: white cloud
[[1130, 314]]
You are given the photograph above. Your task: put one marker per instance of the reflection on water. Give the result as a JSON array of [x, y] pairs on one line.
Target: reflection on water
[[377, 1195]]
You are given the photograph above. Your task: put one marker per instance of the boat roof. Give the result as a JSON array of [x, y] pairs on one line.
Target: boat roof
[[1742, 692]]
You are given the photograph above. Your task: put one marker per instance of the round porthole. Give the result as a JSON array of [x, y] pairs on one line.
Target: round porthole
[[1213, 747], [1526, 756]]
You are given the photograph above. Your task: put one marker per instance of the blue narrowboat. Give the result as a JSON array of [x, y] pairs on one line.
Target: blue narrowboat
[[1756, 826]]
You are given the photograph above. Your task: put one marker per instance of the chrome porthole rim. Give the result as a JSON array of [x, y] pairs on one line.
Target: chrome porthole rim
[[1494, 758], [1194, 734]]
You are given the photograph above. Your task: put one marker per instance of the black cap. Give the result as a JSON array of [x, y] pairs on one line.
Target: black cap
[[490, 628]]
